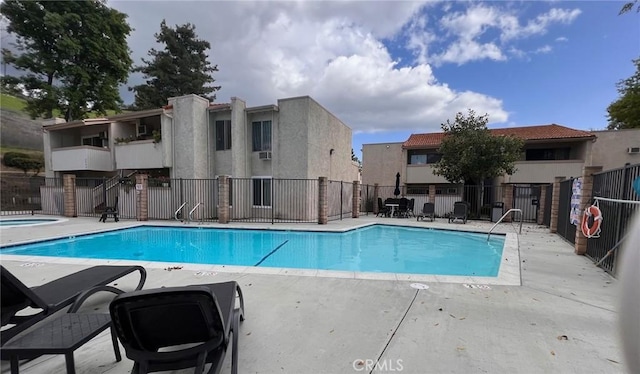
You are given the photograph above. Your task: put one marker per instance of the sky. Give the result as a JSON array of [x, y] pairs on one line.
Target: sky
[[388, 69]]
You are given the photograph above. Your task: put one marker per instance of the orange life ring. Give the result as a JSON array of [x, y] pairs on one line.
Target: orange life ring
[[592, 231]]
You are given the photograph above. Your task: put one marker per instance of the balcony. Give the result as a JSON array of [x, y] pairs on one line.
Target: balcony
[[141, 154], [423, 173], [81, 158], [544, 171]]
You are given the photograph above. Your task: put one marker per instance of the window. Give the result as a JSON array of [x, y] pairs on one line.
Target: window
[[446, 190], [261, 135], [542, 154], [93, 141], [423, 156], [223, 135], [417, 189], [262, 192], [141, 130]]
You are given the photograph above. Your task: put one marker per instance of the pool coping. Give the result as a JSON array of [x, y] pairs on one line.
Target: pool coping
[[508, 274], [50, 221]]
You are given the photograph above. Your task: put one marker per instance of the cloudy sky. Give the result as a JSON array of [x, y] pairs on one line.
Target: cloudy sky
[[389, 69]]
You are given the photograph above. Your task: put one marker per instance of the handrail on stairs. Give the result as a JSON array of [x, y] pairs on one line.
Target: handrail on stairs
[[501, 218], [175, 215]]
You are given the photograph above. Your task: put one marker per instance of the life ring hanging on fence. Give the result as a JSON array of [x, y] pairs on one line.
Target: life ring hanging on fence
[[591, 221]]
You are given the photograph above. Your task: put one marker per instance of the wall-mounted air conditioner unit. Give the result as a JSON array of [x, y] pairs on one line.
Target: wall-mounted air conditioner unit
[[265, 155], [633, 150]]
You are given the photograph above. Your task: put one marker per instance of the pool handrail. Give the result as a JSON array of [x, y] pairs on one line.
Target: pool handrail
[[193, 210], [175, 215], [501, 218]]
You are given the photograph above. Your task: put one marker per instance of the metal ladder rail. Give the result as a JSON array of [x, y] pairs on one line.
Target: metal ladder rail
[[501, 218], [175, 215], [193, 210]]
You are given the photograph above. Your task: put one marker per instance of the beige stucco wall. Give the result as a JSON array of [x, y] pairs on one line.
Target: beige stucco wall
[[190, 134], [290, 139], [381, 162], [610, 148]]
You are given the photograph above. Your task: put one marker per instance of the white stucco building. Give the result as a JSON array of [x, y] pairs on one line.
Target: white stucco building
[[192, 138]]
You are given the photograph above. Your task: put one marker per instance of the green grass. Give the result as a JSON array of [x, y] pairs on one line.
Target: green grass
[[8, 102], [30, 152], [16, 104]]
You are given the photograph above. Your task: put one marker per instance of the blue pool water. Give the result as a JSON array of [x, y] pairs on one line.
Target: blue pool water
[[378, 248], [25, 221]]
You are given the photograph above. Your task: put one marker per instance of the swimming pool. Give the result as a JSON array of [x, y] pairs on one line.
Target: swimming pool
[[14, 222], [376, 248]]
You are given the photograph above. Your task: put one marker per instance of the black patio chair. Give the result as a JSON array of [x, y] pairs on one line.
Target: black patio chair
[[460, 211], [428, 210], [56, 295], [403, 207], [179, 327], [382, 209], [110, 210]]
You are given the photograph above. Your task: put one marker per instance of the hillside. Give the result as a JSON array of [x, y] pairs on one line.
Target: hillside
[[17, 130]]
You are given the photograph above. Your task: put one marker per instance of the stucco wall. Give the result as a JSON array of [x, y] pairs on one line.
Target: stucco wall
[[381, 162], [610, 148], [190, 127], [291, 140]]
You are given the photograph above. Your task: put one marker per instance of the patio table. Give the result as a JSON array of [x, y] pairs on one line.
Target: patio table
[[59, 335]]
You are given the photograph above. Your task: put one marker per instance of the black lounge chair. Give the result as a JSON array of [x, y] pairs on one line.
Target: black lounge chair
[[460, 211], [159, 327], [55, 295], [428, 210], [110, 210]]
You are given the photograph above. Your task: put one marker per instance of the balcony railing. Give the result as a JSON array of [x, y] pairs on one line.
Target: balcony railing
[[81, 158], [544, 171], [141, 154]]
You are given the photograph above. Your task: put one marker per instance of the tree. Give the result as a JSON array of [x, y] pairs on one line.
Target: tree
[[627, 7], [180, 69], [74, 55], [356, 159], [470, 153], [624, 113]]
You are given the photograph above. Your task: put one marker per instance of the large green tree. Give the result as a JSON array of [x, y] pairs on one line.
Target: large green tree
[[470, 153], [180, 69], [624, 113], [74, 55], [628, 6]]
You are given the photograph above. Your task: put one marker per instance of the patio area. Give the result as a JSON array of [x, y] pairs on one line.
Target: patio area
[[562, 318]]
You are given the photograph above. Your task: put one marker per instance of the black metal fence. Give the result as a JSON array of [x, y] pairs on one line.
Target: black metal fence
[[182, 199], [21, 196], [274, 200], [546, 220], [615, 185], [566, 229], [339, 200]]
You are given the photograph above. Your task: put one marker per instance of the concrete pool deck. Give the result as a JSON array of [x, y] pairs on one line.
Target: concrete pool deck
[[562, 318]]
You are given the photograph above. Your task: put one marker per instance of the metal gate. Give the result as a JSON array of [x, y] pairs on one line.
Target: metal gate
[[613, 184], [526, 198], [565, 228], [546, 220]]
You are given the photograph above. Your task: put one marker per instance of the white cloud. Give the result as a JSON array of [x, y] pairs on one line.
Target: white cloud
[[540, 24], [543, 50], [561, 39], [331, 51], [482, 32]]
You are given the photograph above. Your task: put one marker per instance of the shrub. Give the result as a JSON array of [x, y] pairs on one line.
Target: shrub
[[26, 164], [9, 157]]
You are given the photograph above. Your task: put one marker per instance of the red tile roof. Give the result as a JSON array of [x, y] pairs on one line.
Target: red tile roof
[[540, 132]]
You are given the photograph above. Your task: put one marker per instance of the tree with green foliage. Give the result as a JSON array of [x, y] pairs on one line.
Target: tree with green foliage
[[470, 153], [180, 69], [627, 7], [74, 55], [624, 113]]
